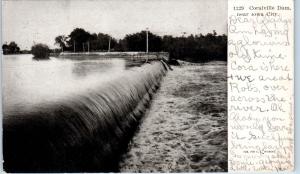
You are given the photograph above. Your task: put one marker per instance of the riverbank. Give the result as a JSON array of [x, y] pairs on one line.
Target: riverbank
[[185, 129]]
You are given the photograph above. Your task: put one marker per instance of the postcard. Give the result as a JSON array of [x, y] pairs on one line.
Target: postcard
[[140, 86]]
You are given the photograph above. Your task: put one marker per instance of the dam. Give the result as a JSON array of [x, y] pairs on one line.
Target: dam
[[123, 55], [121, 114], [74, 113]]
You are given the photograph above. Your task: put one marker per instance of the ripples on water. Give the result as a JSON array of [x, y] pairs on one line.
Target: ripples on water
[[29, 81]]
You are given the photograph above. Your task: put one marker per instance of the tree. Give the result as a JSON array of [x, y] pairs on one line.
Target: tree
[[5, 48], [102, 42], [11, 48], [81, 40], [61, 41], [40, 51], [137, 42], [79, 37]]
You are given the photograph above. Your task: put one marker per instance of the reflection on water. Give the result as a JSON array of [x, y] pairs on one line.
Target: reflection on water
[[83, 69], [130, 64], [30, 81]]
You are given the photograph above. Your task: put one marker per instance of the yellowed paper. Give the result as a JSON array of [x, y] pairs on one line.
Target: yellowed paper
[[260, 85]]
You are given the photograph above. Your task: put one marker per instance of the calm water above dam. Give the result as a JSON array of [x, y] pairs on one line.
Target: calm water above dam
[[28, 81]]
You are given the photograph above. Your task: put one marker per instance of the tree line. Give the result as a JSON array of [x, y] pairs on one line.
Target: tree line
[[196, 48], [11, 48]]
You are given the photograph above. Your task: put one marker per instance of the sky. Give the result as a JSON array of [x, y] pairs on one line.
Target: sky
[[39, 21]]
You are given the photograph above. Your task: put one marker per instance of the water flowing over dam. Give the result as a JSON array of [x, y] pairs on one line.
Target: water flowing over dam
[[79, 122]]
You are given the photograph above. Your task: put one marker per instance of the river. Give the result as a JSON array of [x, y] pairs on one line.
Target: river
[[71, 115], [28, 81]]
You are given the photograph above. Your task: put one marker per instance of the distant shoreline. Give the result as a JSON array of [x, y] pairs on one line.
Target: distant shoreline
[[128, 54]]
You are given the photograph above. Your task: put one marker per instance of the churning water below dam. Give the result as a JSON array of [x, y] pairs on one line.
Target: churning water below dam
[[185, 128]]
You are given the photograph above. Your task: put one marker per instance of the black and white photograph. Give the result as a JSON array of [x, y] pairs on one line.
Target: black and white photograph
[[114, 86]]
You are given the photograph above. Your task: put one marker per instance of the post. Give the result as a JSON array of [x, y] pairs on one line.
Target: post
[[83, 47], [147, 46], [74, 45], [109, 44], [88, 46]]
